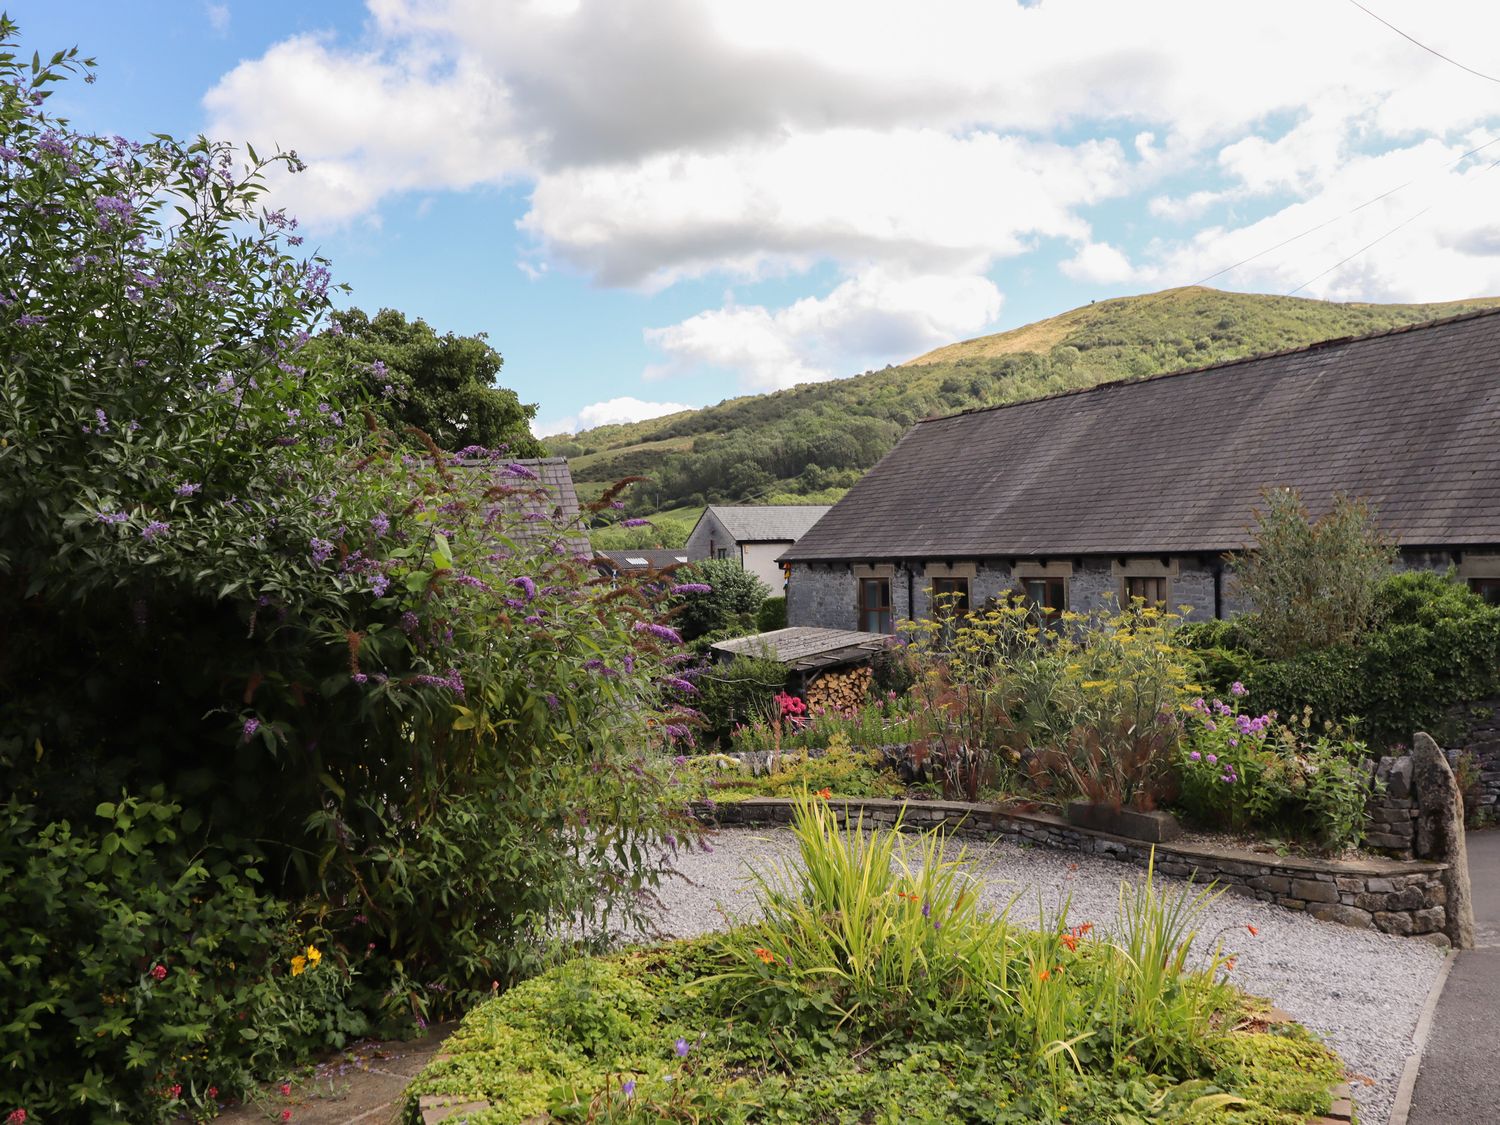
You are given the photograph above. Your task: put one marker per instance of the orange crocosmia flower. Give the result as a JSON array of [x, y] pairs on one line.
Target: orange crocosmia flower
[[825, 793], [1044, 975], [765, 954], [1253, 931], [1229, 963], [1071, 942]]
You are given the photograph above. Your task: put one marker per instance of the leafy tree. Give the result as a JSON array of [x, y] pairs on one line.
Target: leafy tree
[[443, 385], [1311, 583], [727, 609]]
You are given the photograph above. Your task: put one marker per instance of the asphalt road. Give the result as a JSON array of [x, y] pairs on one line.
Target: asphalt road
[[1459, 1083]]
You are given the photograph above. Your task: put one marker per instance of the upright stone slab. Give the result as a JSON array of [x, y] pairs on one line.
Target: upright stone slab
[[1440, 832]]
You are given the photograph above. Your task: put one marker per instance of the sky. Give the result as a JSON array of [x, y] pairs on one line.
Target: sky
[[649, 205]]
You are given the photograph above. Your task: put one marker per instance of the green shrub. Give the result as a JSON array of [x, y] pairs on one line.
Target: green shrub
[[137, 975], [728, 608], [1437, 644], [772, 615], [1313, 583], [738, 692], [390, 671]]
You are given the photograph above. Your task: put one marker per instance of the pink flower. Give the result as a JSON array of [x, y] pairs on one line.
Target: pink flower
[[159, 972], [17, 1117], [286, 1089]]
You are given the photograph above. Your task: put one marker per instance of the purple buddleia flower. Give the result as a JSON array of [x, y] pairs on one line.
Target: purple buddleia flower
[[251, 726], [637, 522], [322, 551], [526, 585], [54, 142], [692, 588], [381, 524], [525, 472], [186, 488], [665, 632], [27, 320], [112, 517], [409, 623], [154, 529], [681, 685], [380, 584]]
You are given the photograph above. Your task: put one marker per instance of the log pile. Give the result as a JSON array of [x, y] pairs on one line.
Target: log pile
[[841, 690]]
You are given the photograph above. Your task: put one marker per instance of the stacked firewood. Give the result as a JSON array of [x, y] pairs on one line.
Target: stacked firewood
[[841, 690]]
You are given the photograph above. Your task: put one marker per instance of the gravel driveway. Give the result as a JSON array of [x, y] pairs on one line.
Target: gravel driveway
[[1361, 990]]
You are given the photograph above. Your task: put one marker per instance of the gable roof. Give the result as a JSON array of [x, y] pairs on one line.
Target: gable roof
[[1408, 418], [768, 523], [551, 492]]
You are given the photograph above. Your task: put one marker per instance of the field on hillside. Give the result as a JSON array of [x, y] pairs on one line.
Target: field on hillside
[[811, 443]]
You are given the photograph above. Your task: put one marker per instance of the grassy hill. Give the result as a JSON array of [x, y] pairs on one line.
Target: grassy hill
[[810, 443]]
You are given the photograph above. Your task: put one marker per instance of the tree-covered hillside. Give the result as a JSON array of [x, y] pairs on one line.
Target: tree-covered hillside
[[809, 443]]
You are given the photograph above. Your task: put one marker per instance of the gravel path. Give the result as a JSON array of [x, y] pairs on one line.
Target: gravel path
[[1361, 990]]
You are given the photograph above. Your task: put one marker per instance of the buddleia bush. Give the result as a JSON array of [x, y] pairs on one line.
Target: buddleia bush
[[392, 675]]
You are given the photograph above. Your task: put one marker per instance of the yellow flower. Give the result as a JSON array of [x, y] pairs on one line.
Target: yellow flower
[[299, 964], [313, 956]]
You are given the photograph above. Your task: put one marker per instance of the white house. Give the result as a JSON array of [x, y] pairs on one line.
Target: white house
[[754, 535]]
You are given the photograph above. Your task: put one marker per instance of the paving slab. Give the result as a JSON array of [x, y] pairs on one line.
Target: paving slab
[[361, 1085]]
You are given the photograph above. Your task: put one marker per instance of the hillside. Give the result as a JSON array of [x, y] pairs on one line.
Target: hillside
[[809, 443]]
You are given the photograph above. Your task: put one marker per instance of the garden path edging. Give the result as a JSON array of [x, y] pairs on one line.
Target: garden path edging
[[1404, 897]]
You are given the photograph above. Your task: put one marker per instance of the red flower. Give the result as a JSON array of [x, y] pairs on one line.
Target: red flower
[[176, 1090], [286, 1089], [159, 972], [286, 1115], [213, 1091], [17, 1117]]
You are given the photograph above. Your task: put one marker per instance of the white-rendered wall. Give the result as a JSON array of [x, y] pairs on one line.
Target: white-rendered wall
[[760, 560]]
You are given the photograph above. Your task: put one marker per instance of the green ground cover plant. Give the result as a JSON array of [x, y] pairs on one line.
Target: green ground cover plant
[[877, 988]]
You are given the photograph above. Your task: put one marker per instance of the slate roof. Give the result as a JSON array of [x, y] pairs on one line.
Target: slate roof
[[768, 523], [1408, 418], [653, 559], [803, 647], [552, 490]]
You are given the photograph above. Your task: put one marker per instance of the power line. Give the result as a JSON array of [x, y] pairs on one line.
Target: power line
[[1404, 222], [1337, 218], [1424, 46]]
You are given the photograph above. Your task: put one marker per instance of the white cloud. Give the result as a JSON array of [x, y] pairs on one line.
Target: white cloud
[[1099, 262], [218, 17], [368, 125], [869, 320], [671, 139], [610, 412]]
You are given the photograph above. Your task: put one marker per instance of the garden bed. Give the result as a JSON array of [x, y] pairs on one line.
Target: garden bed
[[875, 987]]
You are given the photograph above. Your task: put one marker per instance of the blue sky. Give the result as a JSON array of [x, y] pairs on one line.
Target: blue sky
[[656, 202]]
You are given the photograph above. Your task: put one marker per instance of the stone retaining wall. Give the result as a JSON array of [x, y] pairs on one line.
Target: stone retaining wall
[[1395, 896], [1477, 727]]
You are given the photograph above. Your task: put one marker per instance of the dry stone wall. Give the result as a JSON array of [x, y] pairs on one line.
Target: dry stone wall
[[1394, 896]]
